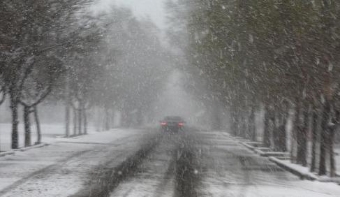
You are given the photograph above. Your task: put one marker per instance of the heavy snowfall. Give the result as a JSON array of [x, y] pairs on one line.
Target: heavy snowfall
[[169, 98]]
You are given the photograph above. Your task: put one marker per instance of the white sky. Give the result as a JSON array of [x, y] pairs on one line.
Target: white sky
[[142, 8]]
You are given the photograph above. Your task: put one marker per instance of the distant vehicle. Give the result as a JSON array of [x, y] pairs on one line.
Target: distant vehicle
[[172, 124]]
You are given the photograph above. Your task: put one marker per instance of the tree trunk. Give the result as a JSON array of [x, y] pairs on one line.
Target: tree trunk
[[242, 122], [246, 126], [282, 138], [27, 125], [324, 137], [67, 106], [282, 129], [276, 133], [216, 120], [67, 120], [294, 131], [266, 130], [112, 119], [124, 118], [107, 119], [336, 121], [252, 126], [98, 119], [331, 151], [235, 123], [80, 119], [314, 139], [15, 121], [302, 139], [37, 123], [75, 122], [85, 121]]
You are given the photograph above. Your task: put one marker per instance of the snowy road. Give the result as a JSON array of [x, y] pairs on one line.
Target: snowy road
[[202, 164], [232, 170], [195, 163], [62, 168]]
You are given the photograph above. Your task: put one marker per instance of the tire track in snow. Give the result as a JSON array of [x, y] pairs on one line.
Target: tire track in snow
[[188, 170], [167, 179], [53, 169], [154, 176], [110, 175]]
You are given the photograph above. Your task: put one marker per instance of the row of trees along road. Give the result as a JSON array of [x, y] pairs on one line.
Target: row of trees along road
[[276, 56], [64, 52], [31, 59]]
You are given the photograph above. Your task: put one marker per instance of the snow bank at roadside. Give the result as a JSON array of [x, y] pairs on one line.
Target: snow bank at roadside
[[295, 189], [295, 168]]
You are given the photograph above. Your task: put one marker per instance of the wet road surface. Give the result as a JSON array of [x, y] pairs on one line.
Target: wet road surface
[[197, 163]]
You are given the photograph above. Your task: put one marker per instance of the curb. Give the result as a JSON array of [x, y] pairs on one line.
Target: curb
[[330, 180], [70, 137], [12, 152], [303, 176], [271, 154], [275, 158], [259, 150], [272, 157], [248, 146], [7, 153], [32, 147]]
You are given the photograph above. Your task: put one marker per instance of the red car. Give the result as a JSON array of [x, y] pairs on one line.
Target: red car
[[172, 124]]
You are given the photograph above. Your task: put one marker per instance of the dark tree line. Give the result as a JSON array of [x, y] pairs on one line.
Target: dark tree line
[[31, 56], [271, 56]]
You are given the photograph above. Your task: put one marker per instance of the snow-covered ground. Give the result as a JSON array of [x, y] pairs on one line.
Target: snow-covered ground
[[232, 170], [62, 168], [196, 163], [156, 174], [49, 134]]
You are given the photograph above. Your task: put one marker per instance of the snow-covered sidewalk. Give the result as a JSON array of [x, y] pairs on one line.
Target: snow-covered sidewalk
[[61, 168], [236, 170], [50, 132], [282, 159]]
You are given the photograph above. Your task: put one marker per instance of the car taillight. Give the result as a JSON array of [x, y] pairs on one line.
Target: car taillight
[[163, 123], [181, 124]]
